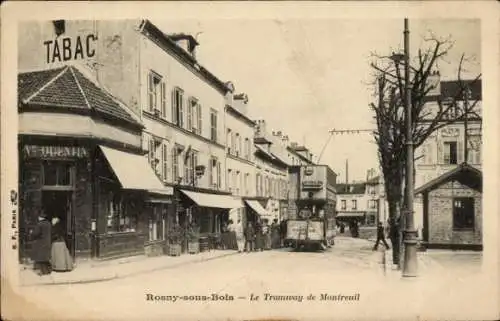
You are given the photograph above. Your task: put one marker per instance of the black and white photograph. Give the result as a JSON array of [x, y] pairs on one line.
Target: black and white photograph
[[250, 161]]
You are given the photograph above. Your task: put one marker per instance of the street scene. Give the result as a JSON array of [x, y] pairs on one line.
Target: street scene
[[168, 170]]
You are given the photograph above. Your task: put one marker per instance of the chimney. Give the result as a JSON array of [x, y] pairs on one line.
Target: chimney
[[241, 102], [186, 42]]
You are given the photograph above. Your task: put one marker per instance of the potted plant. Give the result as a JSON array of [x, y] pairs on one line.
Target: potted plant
[[193, 236], [174, 247]]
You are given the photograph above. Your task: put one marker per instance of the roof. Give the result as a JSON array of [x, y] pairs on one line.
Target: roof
[[354, 188], [67, 88], [463, 173], [168, 43], [238, 114], [451, 89]]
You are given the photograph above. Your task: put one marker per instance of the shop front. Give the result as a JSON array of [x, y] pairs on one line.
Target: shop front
[[56, 180], [133, 206], [202, 216]]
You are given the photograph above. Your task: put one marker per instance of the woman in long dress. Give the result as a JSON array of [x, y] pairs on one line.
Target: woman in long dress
[[60, 258], [275, 234], [266, 231]]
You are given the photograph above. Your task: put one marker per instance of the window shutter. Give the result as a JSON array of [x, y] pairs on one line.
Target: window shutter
[[181, 110], [150, 92], [163, 100], [189, 115], [198, 115], [219, 175], [174, 107]]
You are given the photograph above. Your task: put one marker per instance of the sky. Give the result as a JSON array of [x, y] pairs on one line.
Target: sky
[[308, 76]]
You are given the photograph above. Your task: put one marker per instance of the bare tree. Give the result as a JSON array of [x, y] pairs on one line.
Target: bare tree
[[427, 117]]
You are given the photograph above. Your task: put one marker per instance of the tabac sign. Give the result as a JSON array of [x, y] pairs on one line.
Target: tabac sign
[[35, 151]]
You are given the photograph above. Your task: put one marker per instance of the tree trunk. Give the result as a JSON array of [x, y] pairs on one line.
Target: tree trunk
[[394, 230]]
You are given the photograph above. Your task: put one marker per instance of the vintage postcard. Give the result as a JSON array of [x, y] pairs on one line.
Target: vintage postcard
[[250, 160]]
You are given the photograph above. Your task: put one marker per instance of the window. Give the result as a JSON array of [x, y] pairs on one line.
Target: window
[[191, 108], [370, 220], [354, 204], [245, 183], [474, 150], [219, 175], [247, 148], [229, 180], [238, 145], [194, 163], [229, 140], [118, 219], [154, 92], [213, 125], [450, 153], [156, 223], [343, 205], [175, 163], [463, 213], [372, 204], [237, 184], [189, 168], [57, 173], [177, 107], [215, 173], [164, 162], [199, 128]]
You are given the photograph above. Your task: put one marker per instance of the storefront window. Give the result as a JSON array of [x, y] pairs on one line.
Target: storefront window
[[57, 173], [118, 218]]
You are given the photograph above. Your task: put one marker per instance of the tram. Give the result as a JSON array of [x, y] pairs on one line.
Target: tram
[[313, 225]]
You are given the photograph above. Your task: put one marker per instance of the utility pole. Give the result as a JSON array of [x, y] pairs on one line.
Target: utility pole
[[410, 234]]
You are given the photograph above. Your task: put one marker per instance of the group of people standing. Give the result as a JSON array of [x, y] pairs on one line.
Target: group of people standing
[[50, 252], [258, 236]]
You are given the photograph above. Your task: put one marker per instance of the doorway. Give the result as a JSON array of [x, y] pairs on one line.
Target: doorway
[[59, 204]]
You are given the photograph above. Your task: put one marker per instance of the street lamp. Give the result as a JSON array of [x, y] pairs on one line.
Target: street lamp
[[410, 233]]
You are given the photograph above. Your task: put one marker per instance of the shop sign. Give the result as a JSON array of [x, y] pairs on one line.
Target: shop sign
[[312, 185], [66, 49], [34, 151]]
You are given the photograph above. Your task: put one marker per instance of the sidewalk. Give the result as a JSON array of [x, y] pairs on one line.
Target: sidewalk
[[98, 271], [425, 265]]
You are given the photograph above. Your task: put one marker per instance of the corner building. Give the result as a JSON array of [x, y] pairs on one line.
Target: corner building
[[179, 106]]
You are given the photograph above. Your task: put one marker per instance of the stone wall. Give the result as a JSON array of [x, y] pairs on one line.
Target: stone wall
[[440, 211]]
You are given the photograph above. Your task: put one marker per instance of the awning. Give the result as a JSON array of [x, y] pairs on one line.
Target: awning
[[255, 205], [214, 200], [134, 172], [351, 214]]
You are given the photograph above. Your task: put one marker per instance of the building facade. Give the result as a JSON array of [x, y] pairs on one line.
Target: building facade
[[455, 144], [240, 154]]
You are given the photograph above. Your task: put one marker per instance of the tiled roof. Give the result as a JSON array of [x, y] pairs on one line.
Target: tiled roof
[[67, 87], [355, 188]]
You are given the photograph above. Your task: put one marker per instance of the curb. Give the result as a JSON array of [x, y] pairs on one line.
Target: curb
[[118, 276]]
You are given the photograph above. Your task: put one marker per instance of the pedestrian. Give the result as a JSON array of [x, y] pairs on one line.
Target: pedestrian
[[380, 237], [41, 236], [342, 228], [266, 232], [249, 238], [275, 235], [60, 259], [238, 230], [283, 233], [259, 237]]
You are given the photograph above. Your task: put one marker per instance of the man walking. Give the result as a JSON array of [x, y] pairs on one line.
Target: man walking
[[249, 238], [380, 237]]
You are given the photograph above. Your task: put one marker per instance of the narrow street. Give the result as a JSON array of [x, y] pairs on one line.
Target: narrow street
[[281, 279]]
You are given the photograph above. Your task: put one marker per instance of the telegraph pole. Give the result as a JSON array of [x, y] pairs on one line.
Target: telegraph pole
[[410, 234]]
